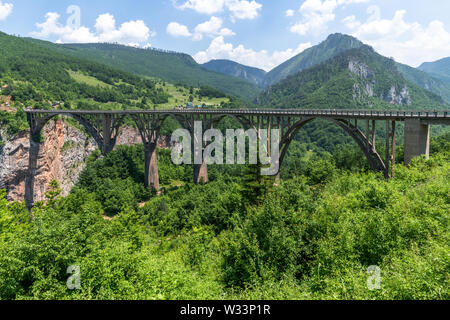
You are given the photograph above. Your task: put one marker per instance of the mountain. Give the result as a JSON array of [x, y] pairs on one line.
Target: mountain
[[234, 69], [439, 69], [38, 76], [426, 81], [332, 46], [356, 78], [177, 68]]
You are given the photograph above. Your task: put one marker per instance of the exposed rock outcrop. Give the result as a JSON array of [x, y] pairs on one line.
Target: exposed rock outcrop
[[365, 87], [61, 157]]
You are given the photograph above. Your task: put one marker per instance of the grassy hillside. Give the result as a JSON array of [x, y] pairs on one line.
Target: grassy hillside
[[177, 68]]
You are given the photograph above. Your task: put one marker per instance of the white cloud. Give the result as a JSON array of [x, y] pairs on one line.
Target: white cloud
[[5, 10], [351, 22], [129, 33], [204, 6], [219, 49], [51, 26], [239, 9], [243, 9], [408, 42], [209, 27], [290, 13], [178, 30], [105, 23], [212, 27], [317, 14]]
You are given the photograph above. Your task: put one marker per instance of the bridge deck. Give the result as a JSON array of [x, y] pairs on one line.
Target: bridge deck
[[356, 114]]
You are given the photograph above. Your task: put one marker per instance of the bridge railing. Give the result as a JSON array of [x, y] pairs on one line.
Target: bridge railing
[[374, 114]]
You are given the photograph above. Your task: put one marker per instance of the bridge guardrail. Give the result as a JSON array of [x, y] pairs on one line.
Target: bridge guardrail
[[375, 114]]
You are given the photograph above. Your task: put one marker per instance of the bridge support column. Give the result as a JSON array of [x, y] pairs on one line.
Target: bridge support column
[[32, 167], [201, 173], [417, 139], [151, 167]]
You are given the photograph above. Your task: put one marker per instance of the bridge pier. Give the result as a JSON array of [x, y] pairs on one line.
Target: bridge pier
[[417, 139], [151, 167], [201, 173], [32, 167]]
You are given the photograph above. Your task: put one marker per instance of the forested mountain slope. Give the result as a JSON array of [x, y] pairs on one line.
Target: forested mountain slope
[[357, 78], [34, 74], [332, 46], [177, 68], [439, 69], [426, 81], [231, 68]]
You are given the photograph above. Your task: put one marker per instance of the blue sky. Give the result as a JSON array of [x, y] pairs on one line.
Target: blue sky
[[260, 33]]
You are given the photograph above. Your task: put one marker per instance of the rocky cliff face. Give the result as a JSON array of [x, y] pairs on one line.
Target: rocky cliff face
[[61, 157], [367, 82]]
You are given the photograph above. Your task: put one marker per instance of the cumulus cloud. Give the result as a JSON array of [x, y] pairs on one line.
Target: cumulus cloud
[[178, 30], [316, 14], [243, 9], [219, 49], [204, 6], [210, 28], [290, 13], [408, 42], [5, 10], [351, 22], [129, 33], [239, 9]]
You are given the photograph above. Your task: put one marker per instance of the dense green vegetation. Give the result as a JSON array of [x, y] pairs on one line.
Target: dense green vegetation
[[312, 237], [178, 68], [36, 75]]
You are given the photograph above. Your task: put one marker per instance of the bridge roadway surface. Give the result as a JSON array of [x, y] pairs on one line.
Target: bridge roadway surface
[[442, 115]]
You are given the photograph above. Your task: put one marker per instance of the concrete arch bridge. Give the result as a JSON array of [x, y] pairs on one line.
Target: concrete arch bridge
[[104, 126]]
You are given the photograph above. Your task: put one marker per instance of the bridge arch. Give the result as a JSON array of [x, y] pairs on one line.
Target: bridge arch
[[104, 128], [41, 123], [374, 159]]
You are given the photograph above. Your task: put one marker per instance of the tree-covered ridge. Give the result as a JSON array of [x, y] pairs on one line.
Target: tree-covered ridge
[[426, 81], [439, 69], [36, 76], [332, 46], [313, 237], [177, 68], [250, 74], [357, 78]]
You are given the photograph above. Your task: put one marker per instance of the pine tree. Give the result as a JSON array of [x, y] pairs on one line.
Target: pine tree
[[255, 185]]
